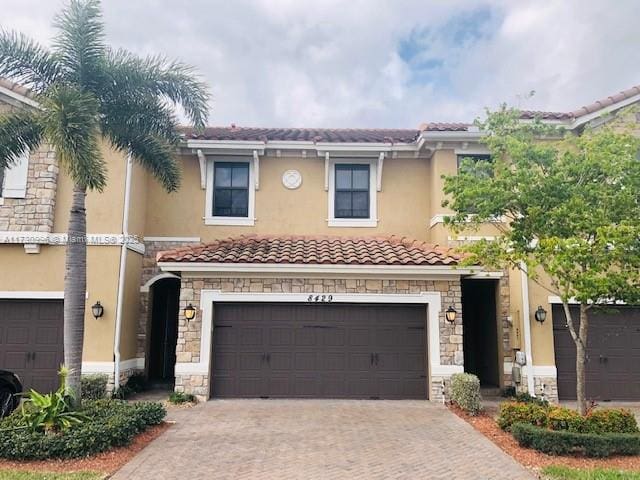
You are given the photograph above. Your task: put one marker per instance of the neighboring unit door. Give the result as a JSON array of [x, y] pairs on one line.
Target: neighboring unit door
[[31, 341], [613, 353], [319, 351]]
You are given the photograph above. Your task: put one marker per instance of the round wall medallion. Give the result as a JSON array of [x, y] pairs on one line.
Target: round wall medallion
[[291, 179]]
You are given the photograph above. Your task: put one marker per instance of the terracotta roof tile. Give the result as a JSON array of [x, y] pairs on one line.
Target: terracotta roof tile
[[314, 250], [331, 135]]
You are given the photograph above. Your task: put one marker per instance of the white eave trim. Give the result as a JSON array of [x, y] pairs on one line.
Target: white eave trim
[[32, 295], [603, 111], [19, 97], [290, 268]]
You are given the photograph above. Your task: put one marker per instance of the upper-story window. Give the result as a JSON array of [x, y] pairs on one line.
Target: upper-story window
[[475, 158], [230, 192], [231, 189], [352, 193]]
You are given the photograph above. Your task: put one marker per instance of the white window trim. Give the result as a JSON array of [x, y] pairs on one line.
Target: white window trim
[[209, 218], [370, 222]]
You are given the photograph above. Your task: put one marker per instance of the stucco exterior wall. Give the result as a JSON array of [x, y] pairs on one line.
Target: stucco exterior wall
[[45, 272], [131, 306]]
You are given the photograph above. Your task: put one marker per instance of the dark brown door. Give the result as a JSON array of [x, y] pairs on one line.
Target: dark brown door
[[319, 351], [613, 354], [31, 341]]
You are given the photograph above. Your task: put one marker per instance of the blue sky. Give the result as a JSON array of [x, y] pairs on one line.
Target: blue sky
[[375, 63]]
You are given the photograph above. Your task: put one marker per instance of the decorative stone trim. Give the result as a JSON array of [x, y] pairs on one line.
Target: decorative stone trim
[[188, 348], [34, 213]]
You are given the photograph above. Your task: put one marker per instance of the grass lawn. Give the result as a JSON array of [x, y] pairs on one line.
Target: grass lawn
[[564, 473], [15, 475]]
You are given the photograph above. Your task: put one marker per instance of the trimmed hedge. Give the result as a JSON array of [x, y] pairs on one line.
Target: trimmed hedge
[[465, 392], [112, 423], [609, 420], [94, 386], [516, 412], [556, 442]]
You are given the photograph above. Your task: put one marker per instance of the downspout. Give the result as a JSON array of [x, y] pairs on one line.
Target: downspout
[[122, 272], [526, 324]]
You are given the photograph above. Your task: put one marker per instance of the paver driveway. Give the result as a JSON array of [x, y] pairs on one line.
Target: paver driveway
[[321, 439]]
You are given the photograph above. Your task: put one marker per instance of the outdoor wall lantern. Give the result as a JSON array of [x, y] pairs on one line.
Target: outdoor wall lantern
[[97, 310], [450, 314], [541, 314], [189, 312]]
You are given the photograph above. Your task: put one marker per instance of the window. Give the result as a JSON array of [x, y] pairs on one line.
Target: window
[[352, 191], [474, 158], [352, 196], [230, 195], [231, 189]]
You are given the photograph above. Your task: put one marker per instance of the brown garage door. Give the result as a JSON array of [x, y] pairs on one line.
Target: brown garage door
[[613, 354], [31, 341], [319, 351]]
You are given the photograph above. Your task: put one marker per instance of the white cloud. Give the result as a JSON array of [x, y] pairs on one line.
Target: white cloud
[[337, 62]]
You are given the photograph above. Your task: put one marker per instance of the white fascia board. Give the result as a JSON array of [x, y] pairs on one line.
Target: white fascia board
[[172, 239], [226, 145], [258, 268], [463, 136], [603, 111], [17, 96]]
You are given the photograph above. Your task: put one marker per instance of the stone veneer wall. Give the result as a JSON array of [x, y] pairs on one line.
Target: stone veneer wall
[[34, 213], [546, 387], [189, 333], [149, 270]]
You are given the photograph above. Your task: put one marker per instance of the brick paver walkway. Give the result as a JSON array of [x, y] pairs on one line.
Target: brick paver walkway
[[321, 439]]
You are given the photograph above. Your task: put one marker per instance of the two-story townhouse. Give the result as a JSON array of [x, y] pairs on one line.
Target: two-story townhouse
[[291, 263]]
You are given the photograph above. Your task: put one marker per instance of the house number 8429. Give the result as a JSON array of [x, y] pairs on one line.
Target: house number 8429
[[320, 298]]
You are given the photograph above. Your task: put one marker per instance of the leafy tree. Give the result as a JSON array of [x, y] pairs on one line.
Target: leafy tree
[[570, 211], [88, 94]]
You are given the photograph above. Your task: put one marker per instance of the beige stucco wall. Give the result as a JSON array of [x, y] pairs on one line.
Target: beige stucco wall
[[403, 203], [45, 272], [131, 306]]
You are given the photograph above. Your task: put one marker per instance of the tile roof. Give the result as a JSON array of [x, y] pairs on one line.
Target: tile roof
[[445, 127], [271, 249], [15, 87], [332, 135]]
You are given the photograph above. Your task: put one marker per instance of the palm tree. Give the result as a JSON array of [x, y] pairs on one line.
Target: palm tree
[[89, 93]]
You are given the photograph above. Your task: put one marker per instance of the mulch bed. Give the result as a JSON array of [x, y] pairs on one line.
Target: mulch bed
[[106, 462], [530, 458]]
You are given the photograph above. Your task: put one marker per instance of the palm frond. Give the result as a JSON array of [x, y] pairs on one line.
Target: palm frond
[[27, 62], [70, 120], [19, 131], [155, 154], [80, 43], [173, 80], [146, 114]]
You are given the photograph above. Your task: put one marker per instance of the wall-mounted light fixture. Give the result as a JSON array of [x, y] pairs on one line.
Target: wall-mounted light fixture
[[189, 312], [541, 314], [97, 310], [450, 314]]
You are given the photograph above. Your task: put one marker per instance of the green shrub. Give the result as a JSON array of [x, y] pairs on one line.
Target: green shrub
[[565, 443], [518, 412], [110, 423], [611, 420], [560, 418], [178, 398], [51, 412], [135, 383], [94, 386], [465, 392], [525, 397]]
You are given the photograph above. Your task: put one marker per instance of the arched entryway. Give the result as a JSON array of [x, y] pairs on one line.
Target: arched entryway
[[163, 335]]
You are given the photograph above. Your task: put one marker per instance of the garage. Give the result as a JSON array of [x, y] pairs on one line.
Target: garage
[[31, 341], [283, 350], [613, 354]]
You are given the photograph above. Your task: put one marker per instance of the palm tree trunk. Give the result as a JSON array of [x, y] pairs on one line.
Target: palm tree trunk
[[75, 287], [581, 354]]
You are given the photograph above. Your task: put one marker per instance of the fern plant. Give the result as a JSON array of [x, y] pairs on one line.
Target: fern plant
[[51, 412]]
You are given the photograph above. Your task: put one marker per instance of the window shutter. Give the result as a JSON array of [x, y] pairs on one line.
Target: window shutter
[[15, 178]]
